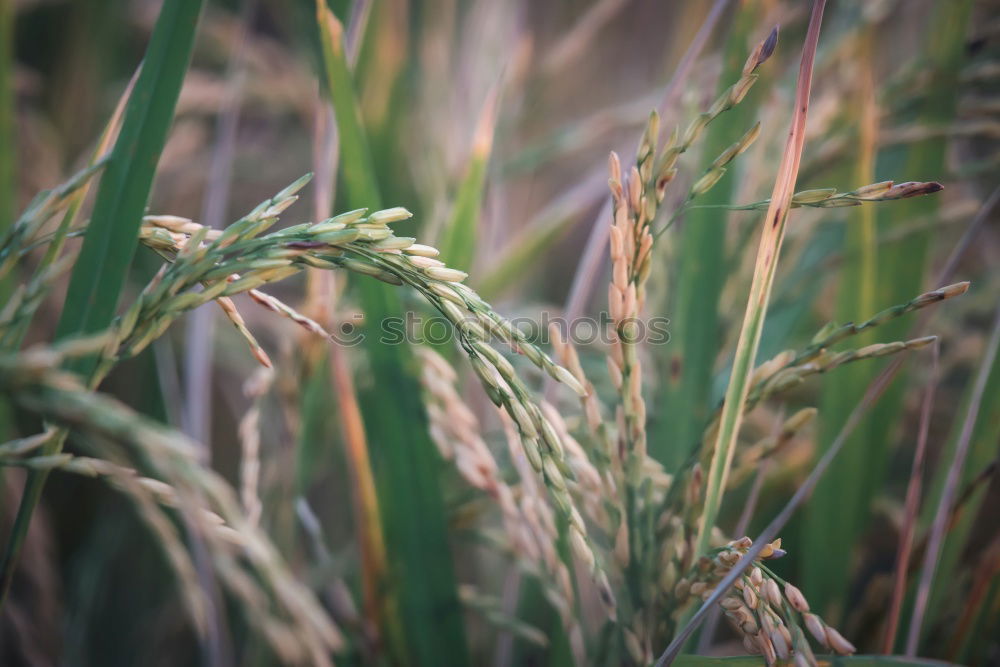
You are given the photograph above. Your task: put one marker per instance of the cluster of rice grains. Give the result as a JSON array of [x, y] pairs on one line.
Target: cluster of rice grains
[[245, 562], [206, 265], [764, 609], [625, 520], [239, 259], [636, 198], [650, 518]]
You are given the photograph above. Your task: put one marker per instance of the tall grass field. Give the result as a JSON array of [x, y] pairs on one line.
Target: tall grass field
[[424, 333]]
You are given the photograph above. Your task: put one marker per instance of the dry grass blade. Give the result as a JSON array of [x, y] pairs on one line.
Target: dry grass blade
[[100, 270], [939, 527], [911, 507], [767, 260]]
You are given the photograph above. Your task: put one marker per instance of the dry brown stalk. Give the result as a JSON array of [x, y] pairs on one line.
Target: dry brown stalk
[[255, 388]]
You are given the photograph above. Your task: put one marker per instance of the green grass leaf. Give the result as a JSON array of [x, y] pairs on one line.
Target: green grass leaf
[[458, 246], [404, 460], [772, 235], [700, 277], [106, 256]]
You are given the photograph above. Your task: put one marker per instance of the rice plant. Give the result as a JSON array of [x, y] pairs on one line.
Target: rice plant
[[414, 456]]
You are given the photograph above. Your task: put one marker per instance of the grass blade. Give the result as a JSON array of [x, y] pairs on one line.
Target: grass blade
[[911, 507], [701, 256], [950, 491], [8, 154], [458, 245], [106, 255], [100, 271], [404, 460], [334, 365], [760, 289]]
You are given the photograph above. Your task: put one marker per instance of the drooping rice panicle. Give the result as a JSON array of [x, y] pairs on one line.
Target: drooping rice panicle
[[32, 379], [362, 243]]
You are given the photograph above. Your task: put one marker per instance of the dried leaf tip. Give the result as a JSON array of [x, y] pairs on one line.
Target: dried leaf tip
[[769, 45], [913, 189], [955, 289], [942, 293], [762, 52]]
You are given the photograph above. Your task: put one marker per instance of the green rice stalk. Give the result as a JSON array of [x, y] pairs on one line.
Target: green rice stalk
[[760, 289]]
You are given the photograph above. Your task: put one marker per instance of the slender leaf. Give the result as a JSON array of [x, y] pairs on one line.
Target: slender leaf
[[100, 271], [458, 246], [760, 289], [701, 274], [981, 453], [404, 459]]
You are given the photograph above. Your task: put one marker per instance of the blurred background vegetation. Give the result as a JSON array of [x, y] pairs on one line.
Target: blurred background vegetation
[[491, 121]]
